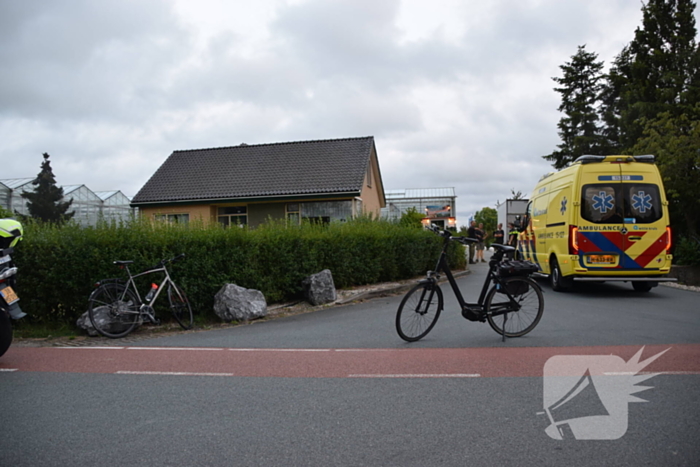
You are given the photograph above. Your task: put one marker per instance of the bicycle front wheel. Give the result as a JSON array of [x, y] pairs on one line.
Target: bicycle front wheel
[[180, 306], [419, 311], [113, 310], [501, 313]]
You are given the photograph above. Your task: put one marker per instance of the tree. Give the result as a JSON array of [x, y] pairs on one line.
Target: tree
[[488, 217], [676, 143], [659, 71], [516, 194], [411, 218], [580, 129], [44, 203], [648, 101]]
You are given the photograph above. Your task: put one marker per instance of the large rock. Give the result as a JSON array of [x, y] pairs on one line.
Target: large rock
[[234, 303], [319, 288], [104, 320]]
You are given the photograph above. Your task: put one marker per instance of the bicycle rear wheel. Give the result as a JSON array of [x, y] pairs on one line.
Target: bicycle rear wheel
[[113, 310], [419, 311], [180, 306], [499, 311]]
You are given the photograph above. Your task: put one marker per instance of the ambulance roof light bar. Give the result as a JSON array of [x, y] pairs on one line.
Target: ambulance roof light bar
[[588, 159], [648, 158]]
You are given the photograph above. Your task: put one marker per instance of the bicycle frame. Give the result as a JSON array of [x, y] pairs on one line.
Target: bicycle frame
[[472, 311], [131, 283]]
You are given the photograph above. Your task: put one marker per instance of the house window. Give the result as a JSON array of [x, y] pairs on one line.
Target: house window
[[173, 218], [369, 174], [325, 211], [293, 215], [233, 215]]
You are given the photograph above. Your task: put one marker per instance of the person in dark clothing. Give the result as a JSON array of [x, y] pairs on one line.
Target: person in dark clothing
[[481, 235], [499, 235], [471, 233]]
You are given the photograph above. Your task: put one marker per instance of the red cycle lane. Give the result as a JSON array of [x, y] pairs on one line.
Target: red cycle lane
[[330, 363]]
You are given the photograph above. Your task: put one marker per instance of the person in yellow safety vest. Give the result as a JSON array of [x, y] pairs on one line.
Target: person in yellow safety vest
[[512, 235]]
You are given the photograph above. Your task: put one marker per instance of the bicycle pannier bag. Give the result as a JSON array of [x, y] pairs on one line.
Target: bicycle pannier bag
[[516, 268]]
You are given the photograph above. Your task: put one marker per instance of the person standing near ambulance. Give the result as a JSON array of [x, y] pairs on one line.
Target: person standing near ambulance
[[498, 235], [471, 233], [512, 235]]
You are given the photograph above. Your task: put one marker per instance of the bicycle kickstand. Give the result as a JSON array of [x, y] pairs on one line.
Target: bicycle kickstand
[[503, 333]]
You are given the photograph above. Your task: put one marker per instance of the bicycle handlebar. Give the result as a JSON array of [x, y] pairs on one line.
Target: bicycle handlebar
[[447, 235], [163, 262]]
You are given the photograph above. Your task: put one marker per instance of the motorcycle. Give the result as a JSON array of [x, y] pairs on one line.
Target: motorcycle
[[10, 234]]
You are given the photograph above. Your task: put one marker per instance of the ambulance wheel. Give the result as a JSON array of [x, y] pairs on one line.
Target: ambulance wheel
[[559, 283], [641, 286]]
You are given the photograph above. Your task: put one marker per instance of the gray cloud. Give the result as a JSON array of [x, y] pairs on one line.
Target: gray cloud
[[455, 96]]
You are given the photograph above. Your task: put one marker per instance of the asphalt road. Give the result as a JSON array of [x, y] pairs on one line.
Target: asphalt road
[[339, 387]]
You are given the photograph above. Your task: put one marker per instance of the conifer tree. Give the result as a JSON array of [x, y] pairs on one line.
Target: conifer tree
[[675, 141], [45, 202], [579, 129], [659, 71]]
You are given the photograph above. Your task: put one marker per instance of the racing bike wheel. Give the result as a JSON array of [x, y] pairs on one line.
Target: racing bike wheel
[[114, 310], [180, 306]]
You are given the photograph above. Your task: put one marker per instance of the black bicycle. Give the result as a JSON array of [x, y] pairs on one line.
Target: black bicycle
[[115, 307], [513, 306]]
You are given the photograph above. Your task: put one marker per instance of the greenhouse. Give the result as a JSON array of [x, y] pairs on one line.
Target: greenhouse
[[115, 206], [11, 194], [436, 204], [87, 205]]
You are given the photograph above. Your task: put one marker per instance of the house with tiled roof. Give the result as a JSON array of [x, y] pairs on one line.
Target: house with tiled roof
[[321, 181]]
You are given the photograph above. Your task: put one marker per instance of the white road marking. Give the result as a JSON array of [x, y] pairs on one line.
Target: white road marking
[[641, 373], [280, 350], [171, 373], [174, 348], [410, 375], [91, 348], [226, 348], [8, 369]]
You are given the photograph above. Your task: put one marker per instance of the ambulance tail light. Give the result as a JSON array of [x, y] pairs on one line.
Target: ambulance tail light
[[668, 240], [573, 240]]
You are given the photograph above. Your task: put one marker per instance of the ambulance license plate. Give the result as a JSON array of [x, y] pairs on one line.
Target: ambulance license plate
[[9, 295], [601, 259]]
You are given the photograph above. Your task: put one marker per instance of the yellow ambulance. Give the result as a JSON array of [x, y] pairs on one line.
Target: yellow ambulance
[[603, 218]]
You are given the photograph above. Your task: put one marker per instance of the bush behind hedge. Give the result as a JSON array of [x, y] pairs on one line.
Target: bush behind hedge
[[58, 266]]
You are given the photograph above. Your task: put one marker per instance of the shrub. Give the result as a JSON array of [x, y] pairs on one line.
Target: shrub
[[687, 251], [59, 265]]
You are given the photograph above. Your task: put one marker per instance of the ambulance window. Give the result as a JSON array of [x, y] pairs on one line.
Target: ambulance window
[[601, 204], [642, 203]]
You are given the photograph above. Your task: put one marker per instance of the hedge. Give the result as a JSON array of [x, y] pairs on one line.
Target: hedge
[[58, 266]]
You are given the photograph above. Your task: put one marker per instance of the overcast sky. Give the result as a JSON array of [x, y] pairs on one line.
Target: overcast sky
[[456, 93]]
